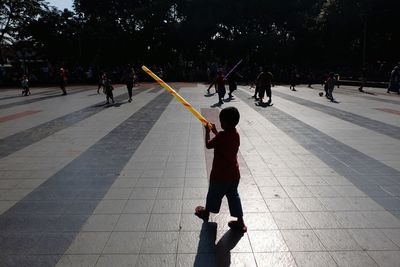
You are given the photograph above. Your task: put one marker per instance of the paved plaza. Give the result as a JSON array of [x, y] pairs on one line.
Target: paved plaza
[[88, 184]]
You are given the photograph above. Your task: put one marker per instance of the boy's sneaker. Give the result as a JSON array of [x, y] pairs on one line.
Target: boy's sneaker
[[202, 213], [238, 226]]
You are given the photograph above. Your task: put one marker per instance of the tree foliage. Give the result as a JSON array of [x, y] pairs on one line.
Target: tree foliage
[[321, 33]]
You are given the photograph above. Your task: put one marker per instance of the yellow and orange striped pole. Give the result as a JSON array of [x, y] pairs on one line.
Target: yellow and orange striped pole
[[176, 95]]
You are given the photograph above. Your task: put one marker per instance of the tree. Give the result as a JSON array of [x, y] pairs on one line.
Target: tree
[[15, 15]]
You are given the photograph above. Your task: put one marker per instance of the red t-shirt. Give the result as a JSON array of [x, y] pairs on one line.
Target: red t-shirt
[[225, 164]]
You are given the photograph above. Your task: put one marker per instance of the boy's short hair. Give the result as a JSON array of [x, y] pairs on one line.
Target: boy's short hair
[[230, 115]]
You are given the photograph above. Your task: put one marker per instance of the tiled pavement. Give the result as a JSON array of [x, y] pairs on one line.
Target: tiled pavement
[[82, 184]]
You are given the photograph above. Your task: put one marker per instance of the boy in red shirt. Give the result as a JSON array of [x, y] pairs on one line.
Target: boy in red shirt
[[225, 175]]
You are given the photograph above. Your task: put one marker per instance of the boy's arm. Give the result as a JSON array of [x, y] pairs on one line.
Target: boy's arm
[[210, 144]]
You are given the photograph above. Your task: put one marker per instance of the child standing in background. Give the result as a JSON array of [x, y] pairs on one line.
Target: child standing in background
[[25, 85]]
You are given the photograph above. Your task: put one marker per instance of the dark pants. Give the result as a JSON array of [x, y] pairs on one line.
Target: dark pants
[[62, 86], [130, 91], [262, 90], [109, 95], [221, 93], [232, 87], [217, 190], [25, 91]]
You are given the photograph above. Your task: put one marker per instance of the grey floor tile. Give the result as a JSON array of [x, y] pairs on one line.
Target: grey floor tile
[[160, 242], [144, 193], [313, 259], [164, 222], [268, 181], [321, 220], [302, 240], [156, 260], [353, 259], [124, 242], [267, 241], [273, 192], [118, 193], [132, 222], [110, 207], [290, 220], [393, 234], [170, 193], [123, 260], [372, 239], [352, 219], [277, 205], [101, 223], [382, 219], [139, 206], [385, 258], [289, 181], [337, 204], [88, 243], [309, 204], [349, 191], [278, 259], [196, 182], [146, 182], [298, 191], [254, 205], [124, 183], [78, 261], [195, 193], [323, 191], [172, 182], [337, 239], [168, 206], [259, 221]]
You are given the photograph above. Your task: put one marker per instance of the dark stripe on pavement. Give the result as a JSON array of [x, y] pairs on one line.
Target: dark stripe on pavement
[[27, 137], [366, 173], [374, 125], [47, 220], [33, 100]]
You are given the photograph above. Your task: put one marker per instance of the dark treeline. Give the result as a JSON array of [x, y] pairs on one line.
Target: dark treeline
[[184, 37]]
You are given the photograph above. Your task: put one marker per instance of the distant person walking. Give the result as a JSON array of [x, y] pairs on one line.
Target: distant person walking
[[232, 82], [394, 82], [264, 83], [129, 83], [108, 88], [329, 86], [294, 78], [63, 81], [221, 86], [25, 86], [100, 84], [256, 89]]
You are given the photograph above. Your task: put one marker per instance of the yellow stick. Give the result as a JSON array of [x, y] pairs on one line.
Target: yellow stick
[[174, 93]]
